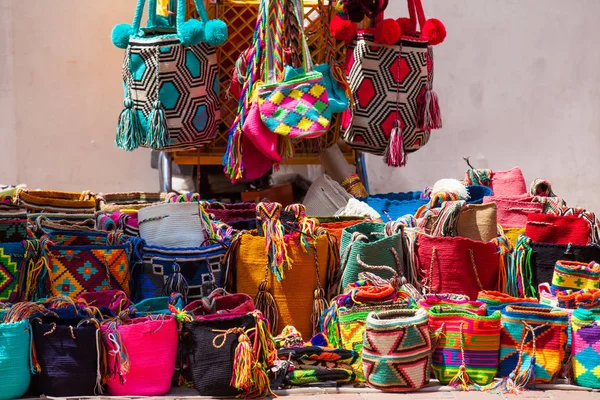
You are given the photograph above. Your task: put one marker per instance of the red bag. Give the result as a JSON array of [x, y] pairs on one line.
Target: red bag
[[218, 303], [460, 265], [512, 212], [555, 229]]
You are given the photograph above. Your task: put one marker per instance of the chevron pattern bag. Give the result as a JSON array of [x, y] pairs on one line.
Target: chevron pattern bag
[[392, 90], [170, 78]]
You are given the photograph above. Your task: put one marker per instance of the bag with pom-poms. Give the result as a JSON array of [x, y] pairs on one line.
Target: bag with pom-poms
[[390, 71], [170, 78]]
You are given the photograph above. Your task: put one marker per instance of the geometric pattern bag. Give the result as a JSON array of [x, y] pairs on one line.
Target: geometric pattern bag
[[575, 275], [14, 261], [585, 342], [171, 82]]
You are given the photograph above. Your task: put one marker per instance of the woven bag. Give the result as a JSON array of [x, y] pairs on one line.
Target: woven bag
[[555, 229], [113, 300], [512, 234], [194, 272], [157, 305], [68, 234], [473, 265], [221, 302], [575, 275], [512, 212], [325, 197], [365, 246], [15, 343], [392, 206], [48, 201], [478, 222], [533, 336], [466, 346], [293, 295], [111, 202], [67, 353], [213, 347], [73, 270], [336, 229], [173, 225], [448, 301], [503, 183], [15, 259], [352, 324], [585, 345], [231, 212], [397, 350], [13, 226], [497, 301], [141, 356]]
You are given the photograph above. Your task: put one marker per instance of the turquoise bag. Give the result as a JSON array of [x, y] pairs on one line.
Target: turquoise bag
[[15, 346], [158, 305]]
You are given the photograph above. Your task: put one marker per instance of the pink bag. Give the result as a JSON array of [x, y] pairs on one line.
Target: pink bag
[[502, 183], [141, 356], [512, 212], [256, 165], [263, 139]]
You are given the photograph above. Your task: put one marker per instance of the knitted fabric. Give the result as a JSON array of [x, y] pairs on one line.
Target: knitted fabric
[[587, 299], [392, 206], [397, 350], [512, 212], [554, 229], [141, 356], [464, 341], [115, 300], [447, 301], [13, 226], [158, 305], [542, 335], [316, 353], [49, 201], [497, 301], [352, 324], [67, 354], [194, 272], [15, 342], [512, 234], [575, 275], [503, 183], [585, 347], [15, 259], [478, 222], [305, 376], [335, 229]]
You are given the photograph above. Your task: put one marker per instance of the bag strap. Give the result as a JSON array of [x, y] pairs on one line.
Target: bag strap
[[299, 16], [416, 13], [180, 14], [273, 61]]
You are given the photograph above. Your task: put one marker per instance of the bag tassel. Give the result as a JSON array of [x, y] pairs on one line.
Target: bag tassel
[[395, 155], [461, 380], [269, 215], [319, 307], [429, 114], [130, 133], [266, 304], [176, 283], [158, 131], [286, 148]]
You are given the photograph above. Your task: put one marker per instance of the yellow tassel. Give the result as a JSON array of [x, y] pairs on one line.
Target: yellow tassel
[[242, 364]]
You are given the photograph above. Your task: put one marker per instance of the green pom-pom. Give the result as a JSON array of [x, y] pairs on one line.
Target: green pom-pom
[[121, 34], [191, 32], [215, 32]]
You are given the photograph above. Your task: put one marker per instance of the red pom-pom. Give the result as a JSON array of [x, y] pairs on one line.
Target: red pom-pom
[[388, 32], [342, 29], [407, 26], [434, 30]]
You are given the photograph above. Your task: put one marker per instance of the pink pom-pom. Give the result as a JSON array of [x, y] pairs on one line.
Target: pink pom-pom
[[434, 30], [406, 26], [388, 32], [342, 29]]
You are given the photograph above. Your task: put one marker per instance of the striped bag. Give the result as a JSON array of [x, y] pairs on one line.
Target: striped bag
[[466, 346], [575, 275], [397, 350], [585, 345]]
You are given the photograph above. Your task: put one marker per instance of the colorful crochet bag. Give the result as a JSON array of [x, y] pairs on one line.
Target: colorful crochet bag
[[555, 229], [397, 350], [447, 301], [111, 202], [512, 212], [67, 355], [503, 183], [585, 345], [141, 355], [575, 275], [15, 266], [13, 226], [473, 265], [157, 305], [533, 341], [48, 201], [15, 349], [221, 302], [194, 272], [497, 301], [73, 270], [230, 212], [465, 346], [366, 245], [113, 300], [392, 206], [392, 88], [229, 354], [170, 79]]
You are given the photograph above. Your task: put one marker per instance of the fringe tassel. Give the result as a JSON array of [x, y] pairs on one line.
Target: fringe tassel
[[266, 304], [319, 307], [158, 131], [328, 325], [461, 380], [176, 283], [130, 133], [269, 215], [242, 364], [394, 154], [286, 148], [429, 114]]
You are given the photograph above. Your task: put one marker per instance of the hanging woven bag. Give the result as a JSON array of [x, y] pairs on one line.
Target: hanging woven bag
[[397, 350], [585, 345]]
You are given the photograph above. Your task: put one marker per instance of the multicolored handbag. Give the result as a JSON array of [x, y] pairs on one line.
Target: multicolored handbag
[[392, 90], [449, 300], [532, 338], [585, 345], [194, 272], [397, 350], [575, 275], [497, 301], [465, 345], [15, 261], [170, 79], [13, 226]]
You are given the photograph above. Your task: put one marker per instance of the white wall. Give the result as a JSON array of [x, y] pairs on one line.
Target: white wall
[[518, 83]]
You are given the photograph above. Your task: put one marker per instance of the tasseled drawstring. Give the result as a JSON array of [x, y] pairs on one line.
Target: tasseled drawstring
[[319, 307], [266, 304], [286, 148], [395, 154], [429, 115], [130, 133], [176, 283], [117, 349], [268, 214], [157, 136], [461, 380], [328, 324]]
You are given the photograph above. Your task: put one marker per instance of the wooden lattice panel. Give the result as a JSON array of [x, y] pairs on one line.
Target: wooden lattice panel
[[240, 17]]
